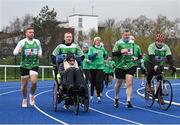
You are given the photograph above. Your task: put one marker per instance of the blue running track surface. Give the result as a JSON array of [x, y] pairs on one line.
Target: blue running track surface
[[99, 113]]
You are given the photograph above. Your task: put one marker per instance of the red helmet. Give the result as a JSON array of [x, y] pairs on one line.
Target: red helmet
[[159, 37]]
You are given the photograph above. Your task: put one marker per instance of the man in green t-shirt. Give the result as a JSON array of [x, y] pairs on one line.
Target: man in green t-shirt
[[158, 53], [63, 49], [30, 50], [126, 55]]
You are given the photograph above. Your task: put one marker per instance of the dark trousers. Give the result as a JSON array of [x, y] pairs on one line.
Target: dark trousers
[[97, 77], [74, 77]]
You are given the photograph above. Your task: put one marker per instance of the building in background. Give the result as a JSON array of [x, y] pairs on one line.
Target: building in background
[[82, 24]]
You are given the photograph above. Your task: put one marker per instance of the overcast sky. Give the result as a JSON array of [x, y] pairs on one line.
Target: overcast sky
[[117, 9]]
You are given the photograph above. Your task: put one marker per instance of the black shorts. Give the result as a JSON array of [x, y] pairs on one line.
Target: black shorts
[[121, 73], [26, 72]]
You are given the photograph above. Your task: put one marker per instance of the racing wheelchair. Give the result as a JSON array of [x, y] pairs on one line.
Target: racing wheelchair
[[70, 85]]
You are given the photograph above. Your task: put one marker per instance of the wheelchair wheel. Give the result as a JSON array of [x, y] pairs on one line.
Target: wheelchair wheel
[[76, 104], [55, 97], [165, 95], [86, 105], [150, 96]]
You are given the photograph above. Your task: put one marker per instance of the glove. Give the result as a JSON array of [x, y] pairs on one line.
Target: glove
[[156, 68], [173, 68]]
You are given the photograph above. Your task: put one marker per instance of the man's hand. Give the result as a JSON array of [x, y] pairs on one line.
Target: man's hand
[[134, 58], [156, 68], [124, 51], [20, 51], [173, 68]]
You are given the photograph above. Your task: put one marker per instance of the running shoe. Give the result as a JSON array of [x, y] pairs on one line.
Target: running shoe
[[128, 104], [31, 100], [24, 103], [116, 102]]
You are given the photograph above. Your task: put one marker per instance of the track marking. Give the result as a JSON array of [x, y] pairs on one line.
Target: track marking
[[5, 93], [116, 117], [142, 95], [9, 87], [174, 116], [95, 110], [45, 112]]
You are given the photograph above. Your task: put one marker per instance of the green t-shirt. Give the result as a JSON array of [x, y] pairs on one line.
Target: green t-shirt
[[86, 62], [98, 61], [109, 67], [160, 54], [30, 57], [64, 49], [125, 61]]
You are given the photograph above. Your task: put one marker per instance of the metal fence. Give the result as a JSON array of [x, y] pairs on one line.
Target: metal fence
[[17, 66], [50, 67]]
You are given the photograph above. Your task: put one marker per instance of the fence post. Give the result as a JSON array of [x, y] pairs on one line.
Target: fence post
[[42, 73], [5, 70], [137, 73]]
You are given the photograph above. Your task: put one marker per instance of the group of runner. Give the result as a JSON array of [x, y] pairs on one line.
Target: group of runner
[[97, 65]]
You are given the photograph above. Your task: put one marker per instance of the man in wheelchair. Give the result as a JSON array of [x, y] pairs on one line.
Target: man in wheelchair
[[69, 78]]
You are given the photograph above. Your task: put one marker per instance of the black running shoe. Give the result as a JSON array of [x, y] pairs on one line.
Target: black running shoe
[[116, 103], [128, 104]]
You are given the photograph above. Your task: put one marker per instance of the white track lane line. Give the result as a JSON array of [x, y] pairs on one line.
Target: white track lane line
[[5, 93], [45, 112], [9, 87], [142, 95], [174, 116], [95, 110]]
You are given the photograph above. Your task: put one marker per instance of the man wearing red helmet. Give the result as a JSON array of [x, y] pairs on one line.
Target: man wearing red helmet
[[154, 60]]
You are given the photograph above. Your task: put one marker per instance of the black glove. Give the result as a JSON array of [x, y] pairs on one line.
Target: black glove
[[173, 68]]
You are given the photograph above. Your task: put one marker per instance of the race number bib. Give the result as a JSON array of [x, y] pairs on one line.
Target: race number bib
[[130, 52], [159, 58], [30, 52]]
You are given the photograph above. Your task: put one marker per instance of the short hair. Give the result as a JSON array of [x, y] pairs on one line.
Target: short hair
[[126, 30], [29, 28], [67, 33]]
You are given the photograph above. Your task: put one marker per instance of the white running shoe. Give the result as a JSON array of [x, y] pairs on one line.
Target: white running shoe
[[31, 100], [24, 103], [91, 98], [98, 99]]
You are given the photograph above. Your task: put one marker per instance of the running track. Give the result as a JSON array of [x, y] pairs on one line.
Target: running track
[[99, 113]]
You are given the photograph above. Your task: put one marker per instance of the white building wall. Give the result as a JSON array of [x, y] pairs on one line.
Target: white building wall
[[88, 22]]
